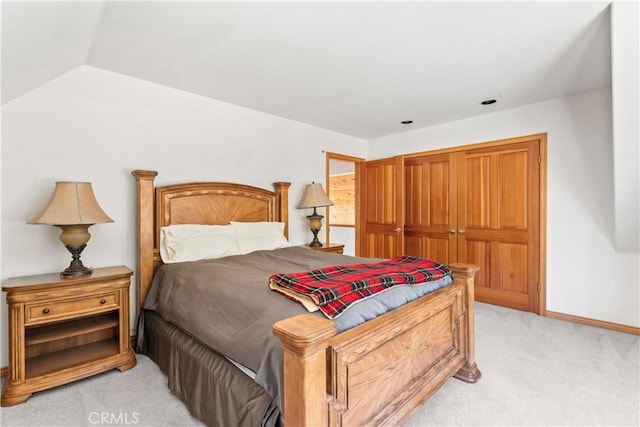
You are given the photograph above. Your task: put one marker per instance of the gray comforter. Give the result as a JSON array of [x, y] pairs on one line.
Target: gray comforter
[[227, 305]]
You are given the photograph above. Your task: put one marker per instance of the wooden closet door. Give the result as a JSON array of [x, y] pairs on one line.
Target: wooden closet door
[[430, 229], [498, 222], [382, 208]]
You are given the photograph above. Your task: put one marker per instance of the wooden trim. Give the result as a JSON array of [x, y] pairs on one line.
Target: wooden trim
[[282, 193], [4, 371], [478, 145], [627, 329], [542, 257], [359, 209], [146, 243], [401, 201]]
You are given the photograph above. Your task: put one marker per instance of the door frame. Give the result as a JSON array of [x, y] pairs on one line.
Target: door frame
[[357, 160]]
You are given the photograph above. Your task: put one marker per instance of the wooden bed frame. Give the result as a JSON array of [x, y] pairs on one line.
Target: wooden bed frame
[[376, 373]]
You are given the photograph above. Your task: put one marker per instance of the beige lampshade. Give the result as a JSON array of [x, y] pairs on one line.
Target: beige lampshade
[[71, 203], [314, 196]]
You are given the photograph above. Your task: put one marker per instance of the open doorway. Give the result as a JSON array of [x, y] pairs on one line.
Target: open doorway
[[341, 218]]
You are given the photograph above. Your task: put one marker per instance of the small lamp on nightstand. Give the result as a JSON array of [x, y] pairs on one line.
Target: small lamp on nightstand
[[315, 197], [73, 208]]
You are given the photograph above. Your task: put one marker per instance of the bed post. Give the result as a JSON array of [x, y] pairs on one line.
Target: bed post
[[464, 275], [304, 341], [144, 270], [282, 192]]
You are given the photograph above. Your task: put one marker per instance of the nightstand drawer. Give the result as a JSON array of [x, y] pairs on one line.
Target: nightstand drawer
[[57, 310]]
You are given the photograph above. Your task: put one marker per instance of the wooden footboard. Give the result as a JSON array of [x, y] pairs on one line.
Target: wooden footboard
[[379, 372]]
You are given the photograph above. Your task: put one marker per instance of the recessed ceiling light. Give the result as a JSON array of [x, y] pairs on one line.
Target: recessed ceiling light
[[406, 122], [488, 102]]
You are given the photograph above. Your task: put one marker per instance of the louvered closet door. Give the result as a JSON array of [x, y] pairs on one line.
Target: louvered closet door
[[498, 222], [431, 207], [382, 213]]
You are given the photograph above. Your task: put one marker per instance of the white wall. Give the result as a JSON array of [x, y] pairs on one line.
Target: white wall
[[585, 275], [94, 125], [346, 236], [625, 63]]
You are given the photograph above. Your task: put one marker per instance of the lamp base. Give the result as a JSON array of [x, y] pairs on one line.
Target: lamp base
[[76, 268], [85, 271], [315, 225], [315, 243]]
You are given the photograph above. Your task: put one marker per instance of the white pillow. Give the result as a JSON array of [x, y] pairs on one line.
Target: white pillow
[[193, 242], [260, 236]]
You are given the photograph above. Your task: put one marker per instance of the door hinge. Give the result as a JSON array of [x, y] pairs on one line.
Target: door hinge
[[539, 158]]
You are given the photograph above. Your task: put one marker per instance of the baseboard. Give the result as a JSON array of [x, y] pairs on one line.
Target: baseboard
[[593, 322]]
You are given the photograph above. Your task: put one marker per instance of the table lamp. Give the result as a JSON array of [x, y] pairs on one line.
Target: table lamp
[[73, 208], [315, 197]]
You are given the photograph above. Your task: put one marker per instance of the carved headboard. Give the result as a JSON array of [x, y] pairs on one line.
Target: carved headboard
[[197, 203]]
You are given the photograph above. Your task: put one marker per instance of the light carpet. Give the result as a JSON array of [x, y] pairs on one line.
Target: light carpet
[[536, 371]]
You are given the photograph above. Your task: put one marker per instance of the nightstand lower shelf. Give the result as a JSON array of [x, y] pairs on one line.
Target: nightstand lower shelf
[[103, 360], [53, 362]]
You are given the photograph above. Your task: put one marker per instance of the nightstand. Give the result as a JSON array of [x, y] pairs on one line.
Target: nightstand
[[328, 247], [62, 330]]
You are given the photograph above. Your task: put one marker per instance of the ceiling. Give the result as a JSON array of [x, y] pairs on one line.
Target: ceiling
[[359, 68]]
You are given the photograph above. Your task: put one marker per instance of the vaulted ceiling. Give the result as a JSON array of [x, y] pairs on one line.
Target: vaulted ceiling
[[359, 68]]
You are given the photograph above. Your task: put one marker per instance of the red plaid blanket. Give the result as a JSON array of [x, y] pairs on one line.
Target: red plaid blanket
[[333, 289]]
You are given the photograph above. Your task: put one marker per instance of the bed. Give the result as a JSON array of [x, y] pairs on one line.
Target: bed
[[375, 373]]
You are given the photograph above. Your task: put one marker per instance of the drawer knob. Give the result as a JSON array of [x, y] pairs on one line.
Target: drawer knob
[[45, 311], [103, 301]]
